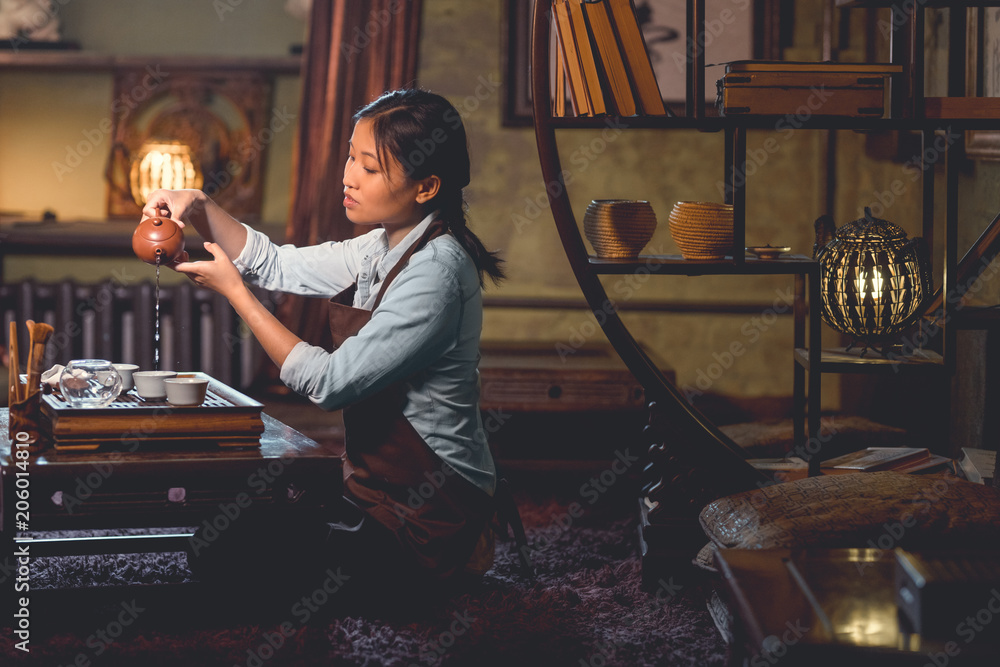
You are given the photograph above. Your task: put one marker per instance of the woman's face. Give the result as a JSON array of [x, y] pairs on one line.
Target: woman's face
[[374, 194]]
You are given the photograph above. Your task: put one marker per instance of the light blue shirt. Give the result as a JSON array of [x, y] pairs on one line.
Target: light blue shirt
[[424, 333]]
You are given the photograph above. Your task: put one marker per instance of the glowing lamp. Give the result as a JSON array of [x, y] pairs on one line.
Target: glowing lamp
[[169, 165], [873, 279]]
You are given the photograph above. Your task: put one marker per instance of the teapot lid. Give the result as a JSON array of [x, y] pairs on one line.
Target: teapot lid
[[157, 229], [871, 228]]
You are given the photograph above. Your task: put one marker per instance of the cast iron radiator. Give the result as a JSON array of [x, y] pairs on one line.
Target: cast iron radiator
[[198, 329]]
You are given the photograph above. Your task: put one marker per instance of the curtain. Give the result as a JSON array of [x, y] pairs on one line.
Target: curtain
[[356, 50]]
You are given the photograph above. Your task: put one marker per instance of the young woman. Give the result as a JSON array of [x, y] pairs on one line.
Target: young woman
[[405, 314]]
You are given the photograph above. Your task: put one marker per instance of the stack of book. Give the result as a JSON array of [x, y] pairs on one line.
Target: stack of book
[[899, 459], [602, 61], [762, 87]]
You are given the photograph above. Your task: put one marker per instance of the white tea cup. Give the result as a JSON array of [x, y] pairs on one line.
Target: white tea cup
[[149, 384], [186, 390]]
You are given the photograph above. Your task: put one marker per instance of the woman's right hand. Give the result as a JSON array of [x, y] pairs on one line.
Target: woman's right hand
[[195, 208], [182, 206]]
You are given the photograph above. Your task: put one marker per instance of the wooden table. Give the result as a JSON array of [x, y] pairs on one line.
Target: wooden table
[[115, 488], [820, 607]]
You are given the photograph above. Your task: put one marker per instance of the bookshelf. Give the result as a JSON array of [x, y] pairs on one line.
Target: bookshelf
[[690, 461]]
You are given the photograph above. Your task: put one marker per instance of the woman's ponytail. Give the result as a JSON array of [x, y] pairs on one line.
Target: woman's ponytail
[[451, 207]]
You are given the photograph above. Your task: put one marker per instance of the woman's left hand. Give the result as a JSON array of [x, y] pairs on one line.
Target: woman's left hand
[[220, 275]]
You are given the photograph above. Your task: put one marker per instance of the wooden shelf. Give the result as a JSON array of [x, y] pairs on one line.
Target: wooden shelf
[[84, 61], [948, 113], [840, 360], [677, 265]]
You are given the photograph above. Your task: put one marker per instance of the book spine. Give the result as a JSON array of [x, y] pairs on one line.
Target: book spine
[[567, 49], [638, 65], [611, 56], [864, 102], [803, 80], [581, 37]]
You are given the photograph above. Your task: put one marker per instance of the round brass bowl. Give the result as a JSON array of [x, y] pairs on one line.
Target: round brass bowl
[[768, 251]]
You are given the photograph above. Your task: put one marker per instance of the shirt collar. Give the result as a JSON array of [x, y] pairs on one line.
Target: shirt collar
[[391, 257]]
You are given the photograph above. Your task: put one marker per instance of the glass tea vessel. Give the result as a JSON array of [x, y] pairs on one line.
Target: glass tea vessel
[[90, 383]]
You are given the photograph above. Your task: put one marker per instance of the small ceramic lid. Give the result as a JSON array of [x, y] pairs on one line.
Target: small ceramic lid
[[157, 229]]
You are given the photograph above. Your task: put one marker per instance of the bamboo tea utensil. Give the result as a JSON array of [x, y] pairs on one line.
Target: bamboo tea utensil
[[14, 395], [39, 334]]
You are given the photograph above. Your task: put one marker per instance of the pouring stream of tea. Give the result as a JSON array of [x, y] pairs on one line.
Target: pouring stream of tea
[[156, 351]]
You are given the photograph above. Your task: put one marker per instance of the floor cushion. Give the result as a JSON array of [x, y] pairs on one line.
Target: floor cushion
[[878, 510]]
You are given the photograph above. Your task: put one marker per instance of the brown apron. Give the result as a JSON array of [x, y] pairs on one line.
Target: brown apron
[[394, 476]]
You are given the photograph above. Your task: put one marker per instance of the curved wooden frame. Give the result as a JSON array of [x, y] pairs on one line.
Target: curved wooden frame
[[703, 442]]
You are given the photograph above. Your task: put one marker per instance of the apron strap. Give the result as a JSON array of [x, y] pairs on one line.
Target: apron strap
[[434, 230]]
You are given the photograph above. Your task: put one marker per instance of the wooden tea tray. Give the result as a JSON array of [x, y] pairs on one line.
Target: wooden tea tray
[[227, 418]]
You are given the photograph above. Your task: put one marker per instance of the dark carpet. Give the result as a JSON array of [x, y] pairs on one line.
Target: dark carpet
[[584, 608]]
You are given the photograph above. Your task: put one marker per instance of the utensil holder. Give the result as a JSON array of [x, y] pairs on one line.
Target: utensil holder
[[26, 418]]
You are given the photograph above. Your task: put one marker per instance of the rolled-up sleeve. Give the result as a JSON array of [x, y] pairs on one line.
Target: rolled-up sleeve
[[320, 270], [416, 323]]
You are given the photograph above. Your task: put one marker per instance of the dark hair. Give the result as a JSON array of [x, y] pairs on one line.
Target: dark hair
[[424, 133]]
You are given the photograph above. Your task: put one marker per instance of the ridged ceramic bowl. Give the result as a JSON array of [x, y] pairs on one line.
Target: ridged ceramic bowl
[[702, 230], [619, 228]]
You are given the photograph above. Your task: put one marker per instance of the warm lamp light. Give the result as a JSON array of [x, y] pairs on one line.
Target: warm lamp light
[[163, 164], [873, 280]]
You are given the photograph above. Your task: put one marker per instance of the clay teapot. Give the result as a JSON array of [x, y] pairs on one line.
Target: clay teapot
[[158, 239]]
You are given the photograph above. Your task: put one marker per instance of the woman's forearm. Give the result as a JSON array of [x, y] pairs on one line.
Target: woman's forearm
[[214, 224], [276, 340]]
